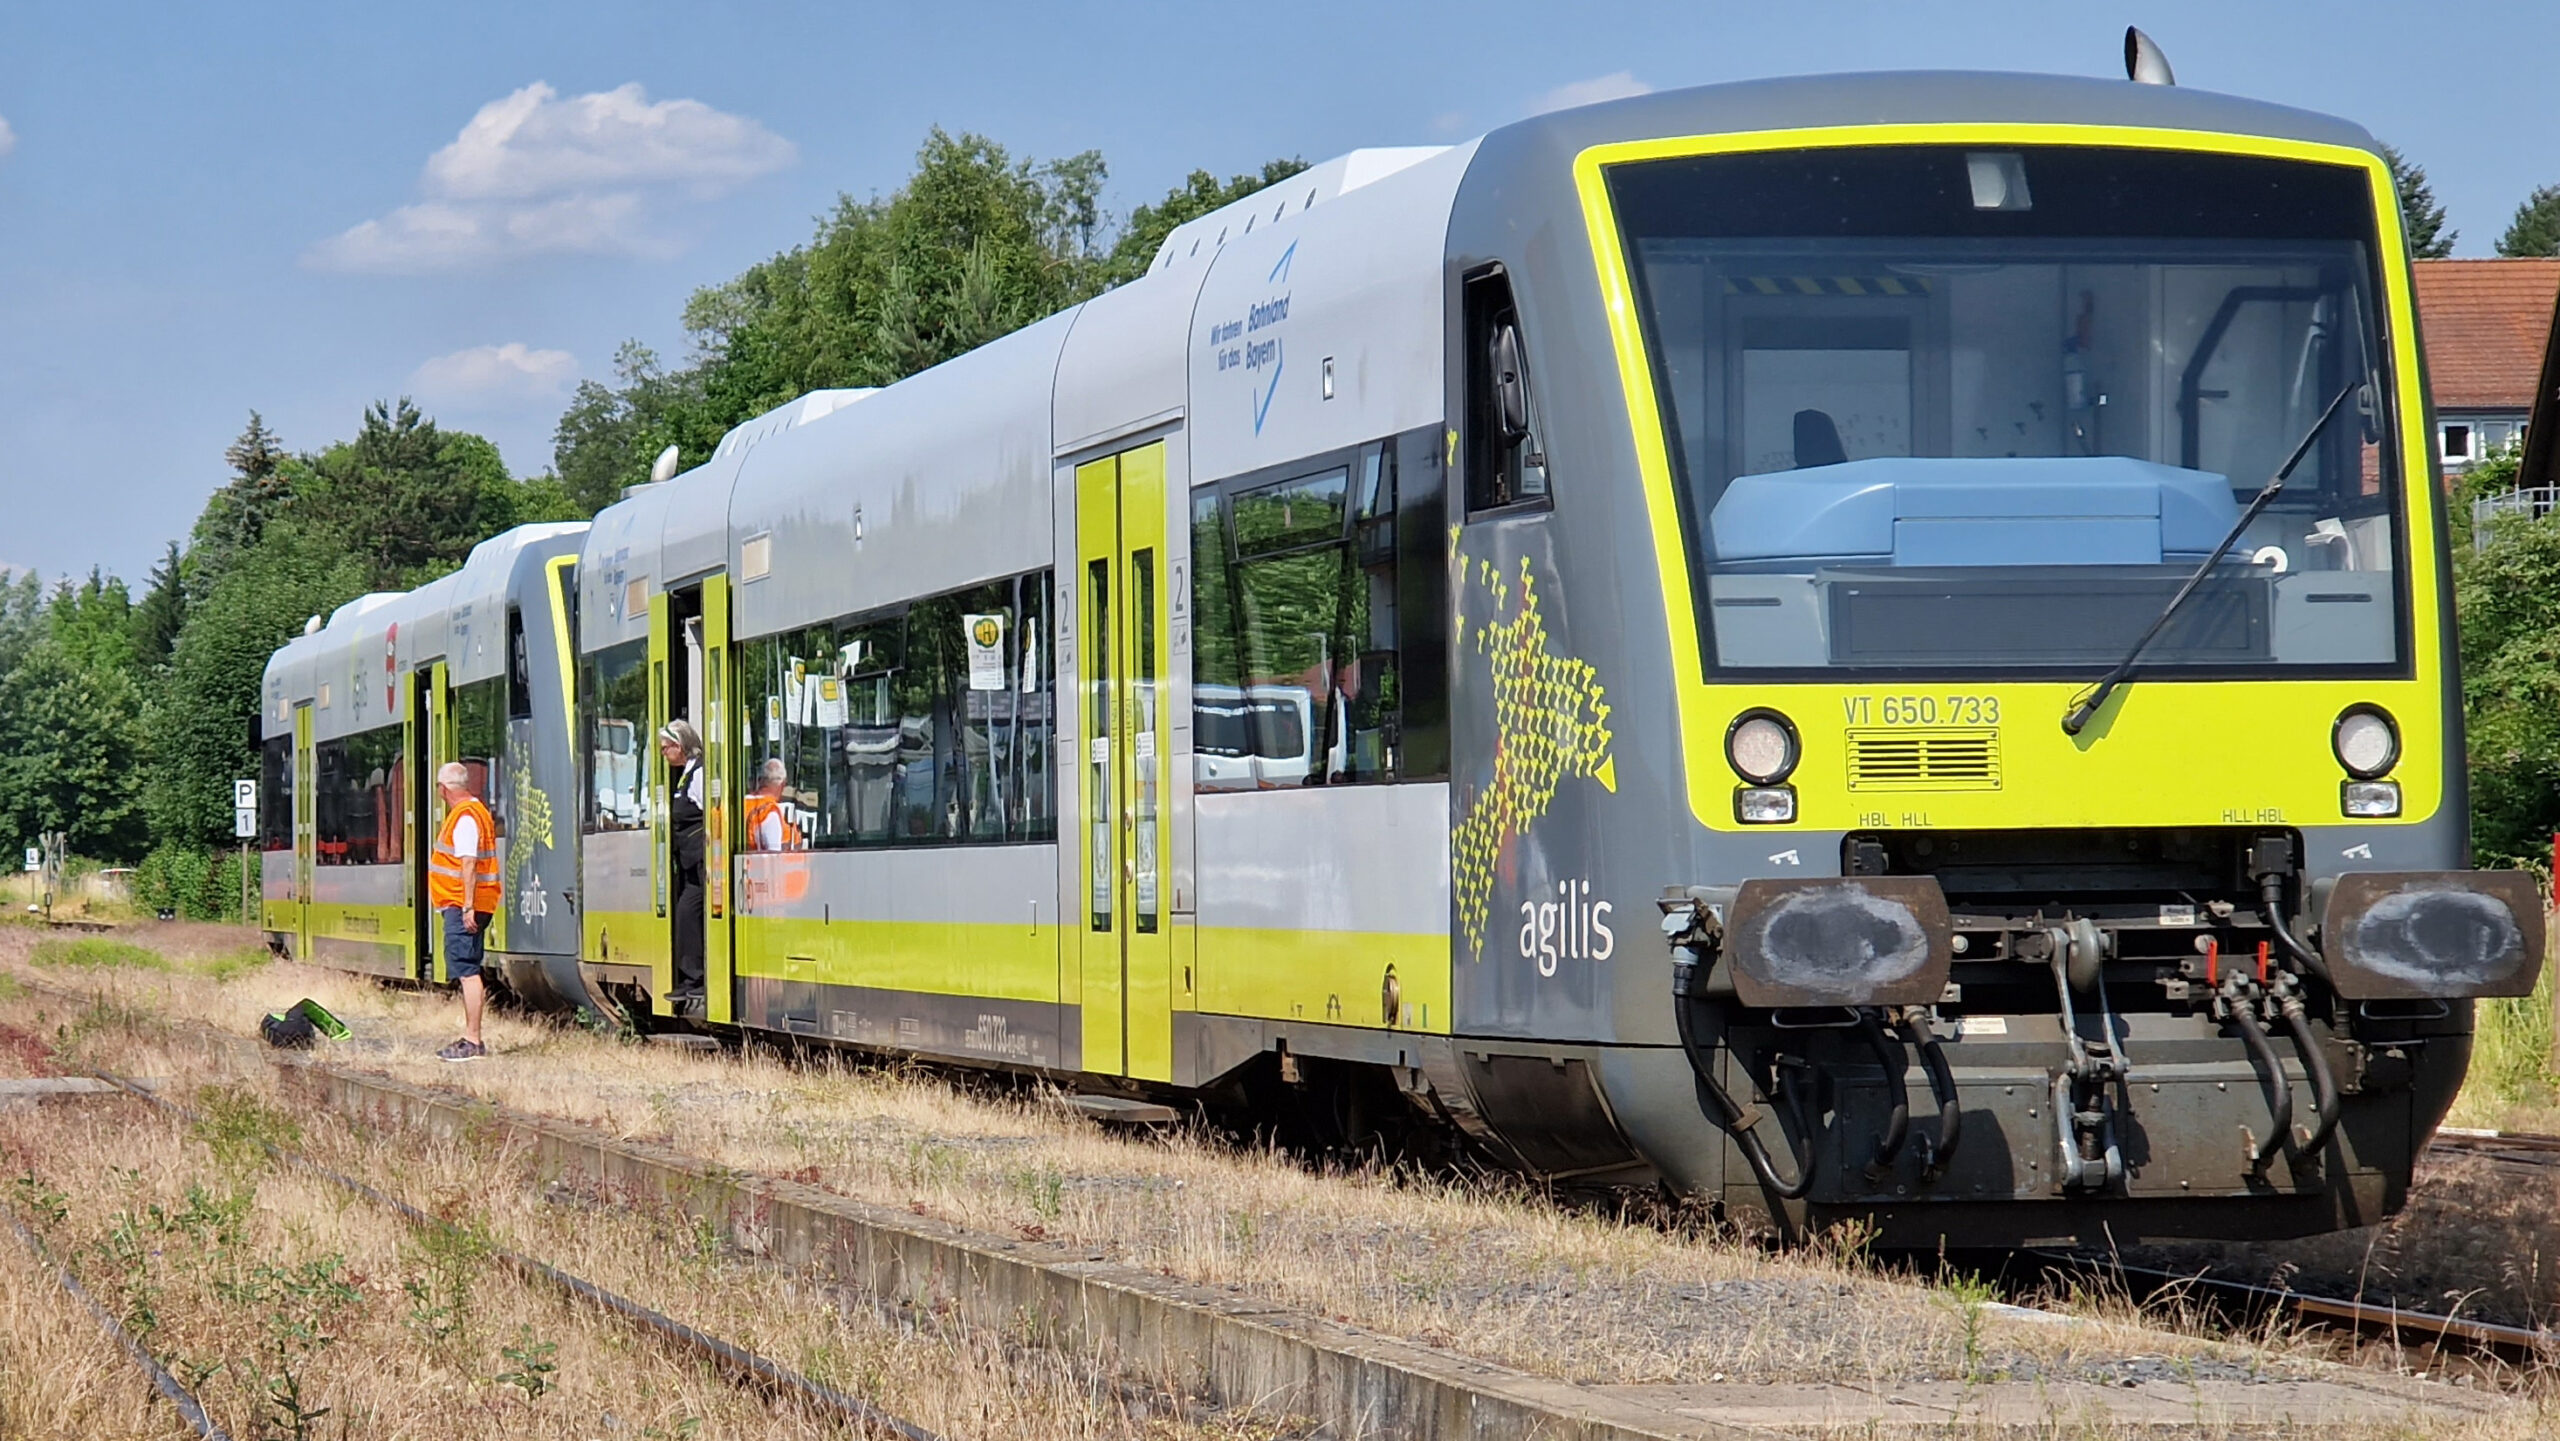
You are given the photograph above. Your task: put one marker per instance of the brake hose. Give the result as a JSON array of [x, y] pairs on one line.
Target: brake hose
[[1893, 1060], [2324, 1084], [1738, 1123], [2281, 1101], [1942, 1088]]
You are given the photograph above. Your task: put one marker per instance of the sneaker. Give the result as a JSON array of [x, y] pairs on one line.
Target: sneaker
[[463, 1051]]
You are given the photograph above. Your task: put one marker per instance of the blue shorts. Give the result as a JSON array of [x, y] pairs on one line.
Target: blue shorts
[[461, 947]]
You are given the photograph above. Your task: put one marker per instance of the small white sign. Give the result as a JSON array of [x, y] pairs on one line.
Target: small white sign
[[827, 709], [244, 822], [986, 650], [35, 859], [1983, 1026], [244, 795]]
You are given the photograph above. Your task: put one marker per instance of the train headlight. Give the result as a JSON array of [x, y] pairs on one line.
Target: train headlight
[[1761, 744], [2369, 800], [1764, 805], [2366, 741]]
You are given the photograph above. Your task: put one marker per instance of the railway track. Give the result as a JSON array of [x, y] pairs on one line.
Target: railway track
[[2515, 1147], [740, 1364], [2245, 1305]]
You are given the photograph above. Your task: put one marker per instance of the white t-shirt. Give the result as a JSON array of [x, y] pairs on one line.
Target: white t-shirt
[[769, 830], [691, 787], [466, 847]]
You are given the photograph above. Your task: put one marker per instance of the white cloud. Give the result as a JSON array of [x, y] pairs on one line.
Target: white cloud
[[534, 174], [495, 374], [1616, 85], [8, 137]]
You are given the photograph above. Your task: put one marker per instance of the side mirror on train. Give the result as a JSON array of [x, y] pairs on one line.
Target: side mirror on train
[[1510, 385]]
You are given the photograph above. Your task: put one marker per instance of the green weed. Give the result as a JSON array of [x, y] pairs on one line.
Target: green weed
[[1971, 1297], [238, 1127], [96, 953], [533, 1368], [232, 965]]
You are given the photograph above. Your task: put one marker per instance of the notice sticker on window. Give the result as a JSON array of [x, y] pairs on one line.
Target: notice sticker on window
[[986, 650], [828, 701]]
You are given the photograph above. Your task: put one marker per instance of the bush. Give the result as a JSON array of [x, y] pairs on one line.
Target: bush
[[194, 883]]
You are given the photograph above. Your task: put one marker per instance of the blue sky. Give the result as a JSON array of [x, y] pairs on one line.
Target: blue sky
[[298, 208]]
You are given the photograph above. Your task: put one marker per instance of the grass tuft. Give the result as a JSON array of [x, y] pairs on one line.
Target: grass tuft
[[97, 953]]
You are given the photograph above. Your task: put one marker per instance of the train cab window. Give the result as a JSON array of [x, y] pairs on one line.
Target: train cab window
[[519, 669], [1914, 428], [613, 715], [480, 743], [1300, 637], [1505, 459]]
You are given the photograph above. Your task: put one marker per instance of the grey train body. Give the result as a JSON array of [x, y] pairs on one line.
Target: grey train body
[[1325, 322]]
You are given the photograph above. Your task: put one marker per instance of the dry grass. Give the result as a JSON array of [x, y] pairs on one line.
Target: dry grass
[[1478, 1267], [298, 1311]]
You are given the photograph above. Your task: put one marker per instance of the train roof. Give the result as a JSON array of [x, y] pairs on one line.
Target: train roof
[[342, 667], [1921, 97]]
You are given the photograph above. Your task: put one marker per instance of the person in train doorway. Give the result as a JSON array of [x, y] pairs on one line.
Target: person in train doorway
[[769, 826], [462, 884], [680, 746]]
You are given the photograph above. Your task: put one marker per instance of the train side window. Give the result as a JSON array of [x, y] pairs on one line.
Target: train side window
[[1298, 626], [613, 708], [275, 793], [1505, 458], [356, 811], [926, 724]]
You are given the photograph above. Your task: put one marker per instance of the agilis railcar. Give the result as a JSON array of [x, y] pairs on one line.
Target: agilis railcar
[[1866, 648]]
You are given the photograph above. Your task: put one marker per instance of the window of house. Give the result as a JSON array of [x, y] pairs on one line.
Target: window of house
[[927, 724], [2457, 442]]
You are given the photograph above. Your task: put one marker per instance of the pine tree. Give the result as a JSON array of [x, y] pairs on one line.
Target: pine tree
[[2428, 239], [163, 610], [2536, 228]]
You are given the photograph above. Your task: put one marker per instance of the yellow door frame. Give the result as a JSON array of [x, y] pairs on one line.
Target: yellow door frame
[[719, 800], [1126, 933], [305, 834], [442, 746], [662, 965]]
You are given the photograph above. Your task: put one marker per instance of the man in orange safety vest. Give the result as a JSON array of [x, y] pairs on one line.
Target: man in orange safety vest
[[462, 884], [769, 826]]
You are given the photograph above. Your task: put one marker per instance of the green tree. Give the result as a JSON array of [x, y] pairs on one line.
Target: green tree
[[2428, 238], [1197, 196], [162, 611], [404, 498], [601, 443], [22, 617], [237, 515], [93, 623], [199, 722], [2536, 227], [70, 755]]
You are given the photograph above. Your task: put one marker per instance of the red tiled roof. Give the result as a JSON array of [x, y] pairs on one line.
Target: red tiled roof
[[2485, 322]]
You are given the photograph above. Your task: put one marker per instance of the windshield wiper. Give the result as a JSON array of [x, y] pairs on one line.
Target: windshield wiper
[[2087, 708]]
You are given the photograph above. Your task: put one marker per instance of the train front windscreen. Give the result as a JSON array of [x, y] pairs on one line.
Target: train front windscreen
[[1981, 410]]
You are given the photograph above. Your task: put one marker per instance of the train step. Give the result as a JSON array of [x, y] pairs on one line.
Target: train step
[[1121, 1111]]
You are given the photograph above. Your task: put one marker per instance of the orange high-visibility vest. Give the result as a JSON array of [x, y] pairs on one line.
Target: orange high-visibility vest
[[758, 807], [445, 870]]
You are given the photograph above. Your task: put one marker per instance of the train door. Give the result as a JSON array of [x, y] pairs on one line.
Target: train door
[[305, 836], [441, 747], [1126, 951], [662, 978], [719, 799], [417, 799]]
